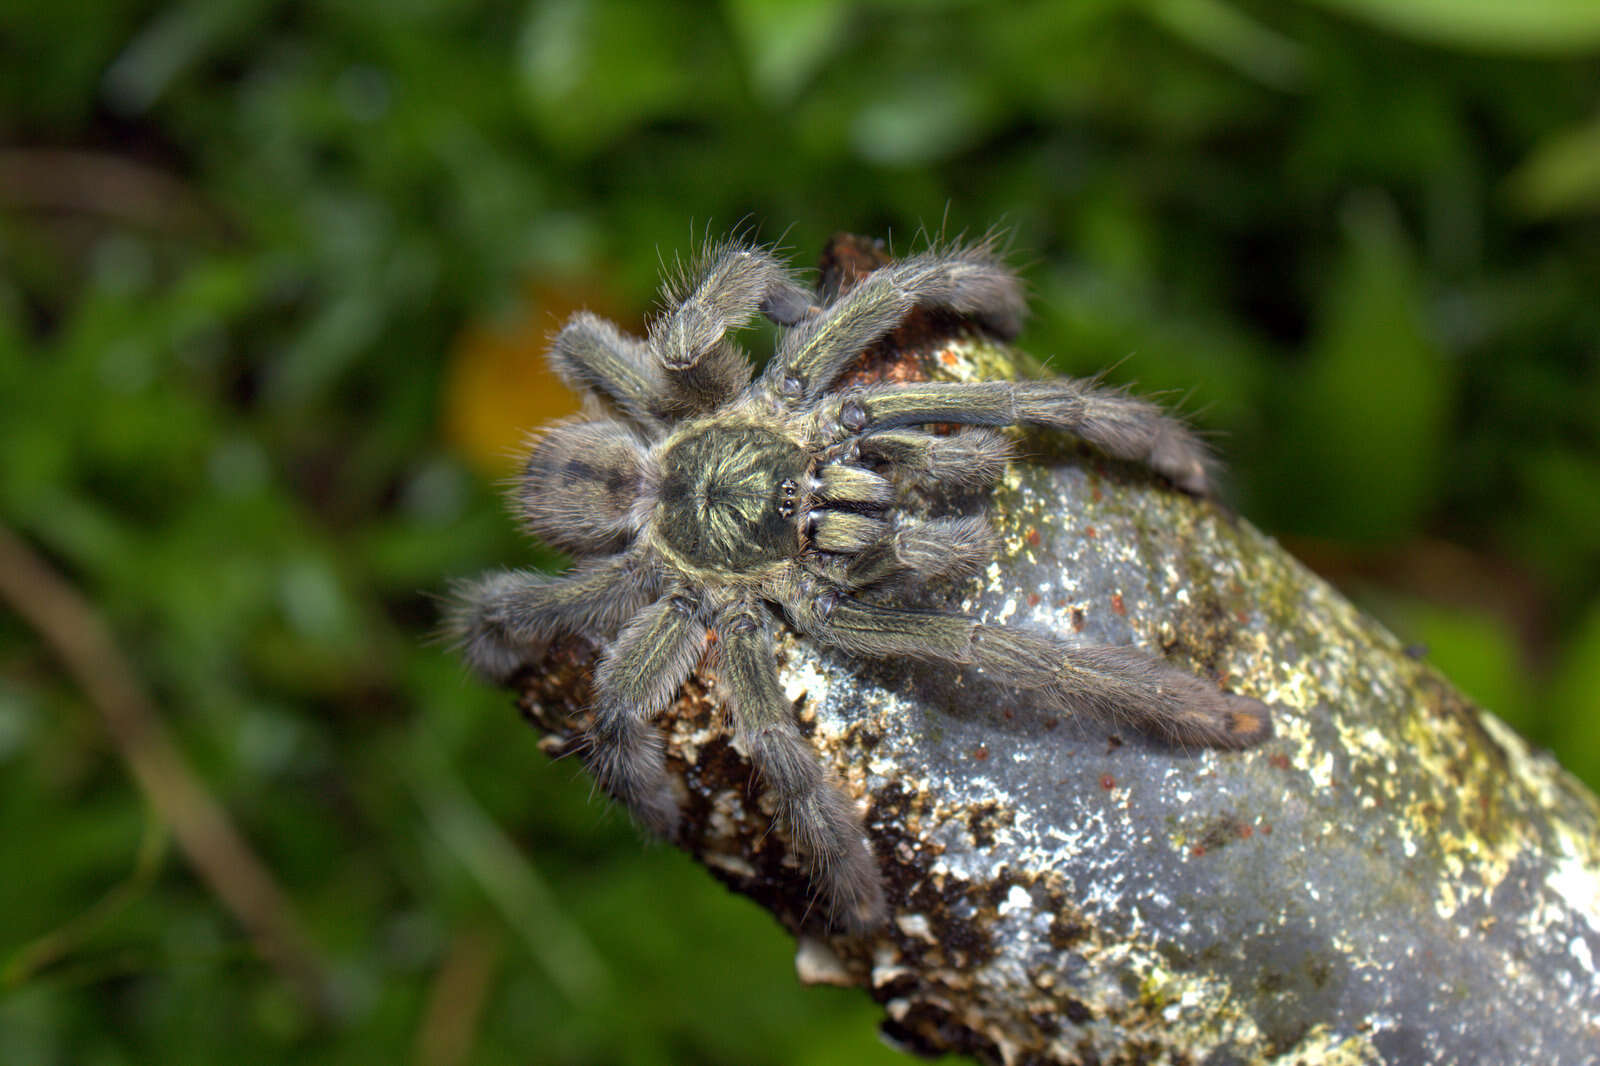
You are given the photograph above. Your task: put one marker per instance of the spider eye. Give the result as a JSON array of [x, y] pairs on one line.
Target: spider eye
[[788, 493]]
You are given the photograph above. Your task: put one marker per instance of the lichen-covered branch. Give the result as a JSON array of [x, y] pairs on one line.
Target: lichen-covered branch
[[1395, 877]]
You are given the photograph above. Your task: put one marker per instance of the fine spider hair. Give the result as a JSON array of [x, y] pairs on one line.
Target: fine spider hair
[[713, 499]]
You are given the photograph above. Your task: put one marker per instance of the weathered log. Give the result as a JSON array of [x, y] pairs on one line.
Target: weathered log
[[1395, 877]]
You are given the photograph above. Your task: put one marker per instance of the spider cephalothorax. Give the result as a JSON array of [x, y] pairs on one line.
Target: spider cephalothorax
[[711, 501], [728, 498]]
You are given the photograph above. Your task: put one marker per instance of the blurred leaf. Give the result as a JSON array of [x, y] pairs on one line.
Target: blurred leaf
[[1574, 707], [54, 53], [1242, 42], [509, 879], [1559, 488], [921, 118], [1479, 652], [785, 41], [174, 42], [592, 68], [1364, 435], [76, 934], [1532, 26], [327, 347], [1561, 176], [314, 605]]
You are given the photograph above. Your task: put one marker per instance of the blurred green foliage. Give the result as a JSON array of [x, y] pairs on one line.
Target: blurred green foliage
[[241, 238]]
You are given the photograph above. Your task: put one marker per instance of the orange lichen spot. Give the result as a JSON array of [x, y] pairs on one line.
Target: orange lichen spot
[[1279, 761], [497, 385], [1117, 604], [1090, 532], [1246, 832], [1198, 850], [1108, 782], [980, 753], [1033, 599], [1032, 537], [949, 358]]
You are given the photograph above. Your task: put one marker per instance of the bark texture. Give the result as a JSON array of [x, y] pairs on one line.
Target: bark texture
[[1394, 878]]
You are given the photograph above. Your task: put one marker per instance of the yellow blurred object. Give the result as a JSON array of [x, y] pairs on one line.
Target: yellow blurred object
[[498, 386]]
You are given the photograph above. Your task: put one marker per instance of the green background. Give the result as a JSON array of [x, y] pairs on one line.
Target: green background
[[273, 277]]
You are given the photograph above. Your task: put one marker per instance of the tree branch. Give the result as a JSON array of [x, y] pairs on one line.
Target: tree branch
[[1394, 877]]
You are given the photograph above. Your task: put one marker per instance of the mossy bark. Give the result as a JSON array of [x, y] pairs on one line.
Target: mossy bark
[[1395, 877]]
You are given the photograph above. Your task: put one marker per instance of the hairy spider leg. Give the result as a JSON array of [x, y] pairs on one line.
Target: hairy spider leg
[[1122, 426], [499, 619], [687, 365], [592, 354], [1108, 682], [966, 280], [726, 286], [968, 459], [818, 816], [930, 550], [636, 679]]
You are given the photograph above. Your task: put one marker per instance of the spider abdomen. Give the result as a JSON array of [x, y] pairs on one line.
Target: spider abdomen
[[728, 497], [579, 485]]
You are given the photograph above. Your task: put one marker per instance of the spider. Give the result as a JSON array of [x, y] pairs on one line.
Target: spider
[[711, 499]]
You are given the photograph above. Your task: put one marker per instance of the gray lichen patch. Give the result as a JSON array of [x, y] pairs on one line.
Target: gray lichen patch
[[1394, 877]]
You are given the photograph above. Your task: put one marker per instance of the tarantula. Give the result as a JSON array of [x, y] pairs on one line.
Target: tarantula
[[712, 499]]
